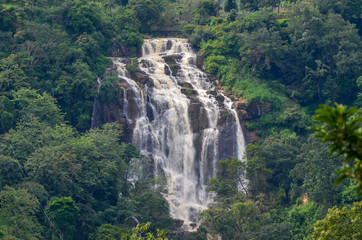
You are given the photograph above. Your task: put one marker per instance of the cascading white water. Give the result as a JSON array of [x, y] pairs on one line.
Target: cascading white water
[[163, 126]]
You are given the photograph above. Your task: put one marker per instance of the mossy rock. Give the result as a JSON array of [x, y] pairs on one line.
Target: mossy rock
[[222, 117], [195, 100], [187, 85], [212, 92], [150, 83], [188, 92], [132, 65], [172, 58]]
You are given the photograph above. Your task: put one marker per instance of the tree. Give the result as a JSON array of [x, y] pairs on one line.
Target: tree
[[238, 220], [10, 172], [256, 171], [30, 102], [314, 174], [205, 9], [17, 213], [302, 217], [12, 76], [141, 230], [126, 20], [64, 213], [229, 5], [261, 49], [322, 57], [84, 17], [345, 223], [27, 103], [153, 208], [31, 134], [349, 9], [109, 232], [56, 169], [343, 128], [75, 92], [230, 178], [147, 12]]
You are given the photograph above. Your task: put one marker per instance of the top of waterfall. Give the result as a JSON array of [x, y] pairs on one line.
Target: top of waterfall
[[165, 46]]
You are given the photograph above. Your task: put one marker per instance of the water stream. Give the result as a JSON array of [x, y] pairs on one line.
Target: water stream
[[181, 122]]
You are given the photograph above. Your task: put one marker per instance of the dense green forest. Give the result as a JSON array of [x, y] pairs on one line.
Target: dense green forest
[[59, 179]]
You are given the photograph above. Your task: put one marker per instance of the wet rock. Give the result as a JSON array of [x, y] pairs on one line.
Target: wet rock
[[199, 61], [115, 50], [193, 225], [228, 130], [169, 44], [167, 70], [198, 117], [222, 117], [171, 61], [178, 223], [146, 63], [220, 98], [198, 146], [211, 92], [150, 113], [140, 77], [150, 83]]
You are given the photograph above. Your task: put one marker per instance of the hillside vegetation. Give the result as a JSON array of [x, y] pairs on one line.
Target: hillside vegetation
[[59, 179]]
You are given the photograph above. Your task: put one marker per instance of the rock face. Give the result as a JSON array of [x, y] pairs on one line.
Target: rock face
[[121, 50], [171, 111]]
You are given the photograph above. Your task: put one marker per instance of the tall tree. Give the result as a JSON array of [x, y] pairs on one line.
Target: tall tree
[[342, 223], [18, 210], [65, 213]]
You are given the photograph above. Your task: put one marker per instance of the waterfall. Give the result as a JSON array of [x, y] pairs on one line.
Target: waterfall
[[180, 121]]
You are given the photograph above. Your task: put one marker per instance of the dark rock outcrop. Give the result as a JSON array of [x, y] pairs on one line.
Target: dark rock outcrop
[[227, 129], [171, 61], [198, 117], [118, 49], [115, 111]]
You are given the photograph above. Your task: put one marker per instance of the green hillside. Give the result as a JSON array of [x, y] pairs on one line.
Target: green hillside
[[60, 179]]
